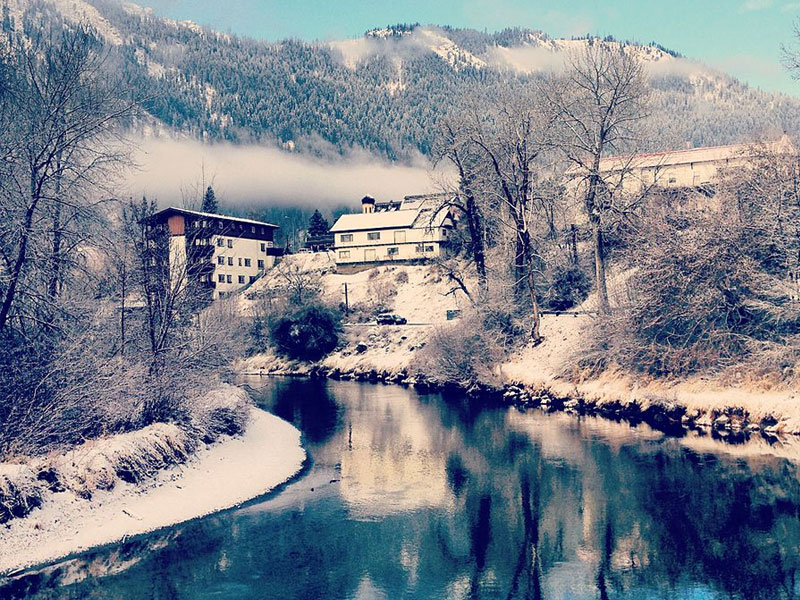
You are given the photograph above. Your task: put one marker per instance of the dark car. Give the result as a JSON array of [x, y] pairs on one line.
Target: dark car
[[390, 319]]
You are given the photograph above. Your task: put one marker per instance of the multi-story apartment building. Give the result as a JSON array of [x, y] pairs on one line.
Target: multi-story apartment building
[[217, 253], [384, 232]]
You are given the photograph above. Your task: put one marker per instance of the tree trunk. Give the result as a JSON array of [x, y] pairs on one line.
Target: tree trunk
[[22, 253], [475, 226], [600, 268], [54, 285]]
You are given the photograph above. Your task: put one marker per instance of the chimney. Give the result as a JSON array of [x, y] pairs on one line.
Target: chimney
[[367, 205]]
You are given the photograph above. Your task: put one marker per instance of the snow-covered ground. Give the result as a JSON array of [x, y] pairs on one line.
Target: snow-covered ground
[[217, 477], [416, 292], [424, 300]]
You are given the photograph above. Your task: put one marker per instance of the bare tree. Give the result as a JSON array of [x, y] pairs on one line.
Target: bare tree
[[600, 104], [59, 147], [498, 155]]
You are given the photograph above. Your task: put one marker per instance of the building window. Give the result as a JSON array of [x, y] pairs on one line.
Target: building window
[[240, 261], [220, 225], [246, 262], [374, 235], [241, 278], [346, 237], [230, 243], [220, 242], [263, 247], [344, 253], [230, 261], [252, 228], [252, 278], [399, 237], [428, 248], [420, 248], [221, 278], [393, 251], [262, 231], [260, 264], [228, 277], [220, 260]]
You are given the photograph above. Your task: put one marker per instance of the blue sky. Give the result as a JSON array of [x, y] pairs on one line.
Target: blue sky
[[741, 37]]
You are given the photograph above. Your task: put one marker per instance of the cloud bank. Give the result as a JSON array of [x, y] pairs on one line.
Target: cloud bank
[[258, 175]]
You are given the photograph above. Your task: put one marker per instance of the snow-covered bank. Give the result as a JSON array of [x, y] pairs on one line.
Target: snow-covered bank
[[220, 476], [532, 376]]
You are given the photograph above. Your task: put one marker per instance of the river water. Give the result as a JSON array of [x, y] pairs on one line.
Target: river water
[[413, 495]]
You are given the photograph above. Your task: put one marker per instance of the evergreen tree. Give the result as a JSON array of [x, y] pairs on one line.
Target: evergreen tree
[[318, 226], [210, 201]]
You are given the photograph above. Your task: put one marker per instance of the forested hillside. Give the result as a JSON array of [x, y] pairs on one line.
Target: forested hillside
[[385, 92]]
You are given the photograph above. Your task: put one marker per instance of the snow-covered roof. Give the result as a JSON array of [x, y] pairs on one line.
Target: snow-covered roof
[[415, 212], [197, 213], [392, 219], [693, 155]]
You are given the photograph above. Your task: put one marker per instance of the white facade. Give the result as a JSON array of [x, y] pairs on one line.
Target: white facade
[[238, 262], [412, 230], [692, 168], [225, 253]]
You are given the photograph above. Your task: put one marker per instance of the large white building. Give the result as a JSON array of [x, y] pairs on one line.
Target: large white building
[[696, 168], [222, 254], [412, 230]]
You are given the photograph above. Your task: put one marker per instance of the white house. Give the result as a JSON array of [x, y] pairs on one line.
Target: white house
[[412, 230]]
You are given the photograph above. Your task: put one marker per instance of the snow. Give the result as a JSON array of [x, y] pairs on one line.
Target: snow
[[79, 11], [218, 477]]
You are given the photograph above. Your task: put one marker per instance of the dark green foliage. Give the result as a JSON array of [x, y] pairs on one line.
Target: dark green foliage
[[210, 204], [568, 288], [303, 93], [318, 226], [309, 333]]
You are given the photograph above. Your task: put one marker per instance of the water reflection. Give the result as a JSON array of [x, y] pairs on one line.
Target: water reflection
[[426, 497]]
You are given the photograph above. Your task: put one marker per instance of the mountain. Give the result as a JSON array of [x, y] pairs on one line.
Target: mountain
[[384, 92]]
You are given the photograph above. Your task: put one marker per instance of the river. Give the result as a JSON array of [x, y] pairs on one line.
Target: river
[[413, 495]]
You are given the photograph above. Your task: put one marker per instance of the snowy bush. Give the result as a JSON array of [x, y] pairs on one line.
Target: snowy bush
[[19, 491], [307, 334], [463, 353], [222, 411]]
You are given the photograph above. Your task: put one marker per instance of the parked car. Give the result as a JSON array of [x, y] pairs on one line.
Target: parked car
[[390, 319]]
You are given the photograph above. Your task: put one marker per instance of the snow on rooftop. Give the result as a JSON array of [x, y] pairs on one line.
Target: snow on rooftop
[[186, 211], [377, 220]]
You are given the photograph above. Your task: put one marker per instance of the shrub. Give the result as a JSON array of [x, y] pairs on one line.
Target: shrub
[[569, 287], [19, 491], [307, 334], [462, 353], [401, 277], [705, 295]]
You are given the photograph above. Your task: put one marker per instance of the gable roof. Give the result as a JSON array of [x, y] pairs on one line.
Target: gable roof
[[414, 212], [393, 219], [196, 213]]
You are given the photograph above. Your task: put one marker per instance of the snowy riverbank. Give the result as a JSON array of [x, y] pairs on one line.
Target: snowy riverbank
[[217, 477], [535, 376], [541, 375]]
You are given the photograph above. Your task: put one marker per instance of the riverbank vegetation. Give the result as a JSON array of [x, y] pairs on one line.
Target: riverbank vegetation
[[93, 343]]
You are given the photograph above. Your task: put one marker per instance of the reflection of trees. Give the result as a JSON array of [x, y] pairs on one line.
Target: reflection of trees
[[528, 557], [526, 514], [306, 403]]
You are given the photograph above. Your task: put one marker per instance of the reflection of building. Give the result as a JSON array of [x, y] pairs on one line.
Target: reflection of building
[[221, 254], [412, 230]]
